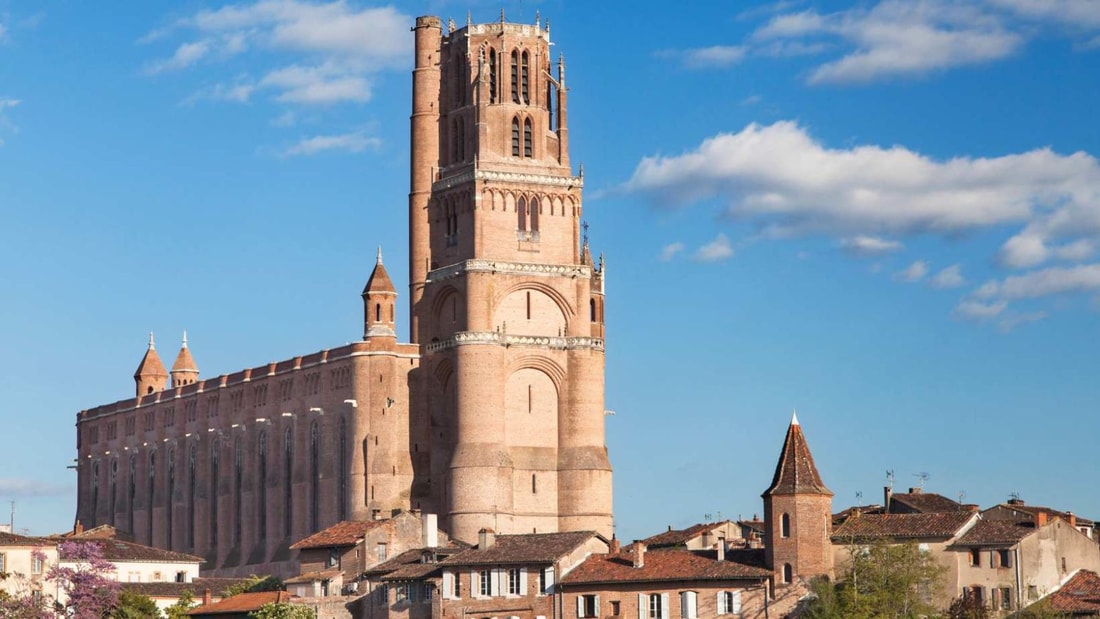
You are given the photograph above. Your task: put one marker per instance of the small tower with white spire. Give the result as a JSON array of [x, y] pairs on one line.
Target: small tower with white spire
[[150, 376], [379, 301], [184, 370]]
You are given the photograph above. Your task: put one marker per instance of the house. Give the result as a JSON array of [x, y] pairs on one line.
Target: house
[[917, 501], [702, 536], [27, 561], [1017, 510], [1008, 564], [332, 561], [241, 605], [166, 594], [1078, 597], [667, 582]]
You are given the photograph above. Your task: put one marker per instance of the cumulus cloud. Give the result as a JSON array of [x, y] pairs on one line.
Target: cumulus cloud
[[895, 38], [913, 273], [668, 252], [334, 47], [706, 57], [867, 245], [354, 142], [977, 310], [949, 277], [718, 249], [1044, 282]]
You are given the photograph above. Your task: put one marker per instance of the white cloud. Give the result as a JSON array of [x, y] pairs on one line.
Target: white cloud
[[668, 252], [976, 310], [1078, 13], [718, 249], [354, 142], [913, 273], [706, 57], [5, 124], [238, 92], [790, 184], [949, 277], [867, 245], [286, 119], [1011, 321], [892, 38], [30, 487], [1044, 282], [333, 47]]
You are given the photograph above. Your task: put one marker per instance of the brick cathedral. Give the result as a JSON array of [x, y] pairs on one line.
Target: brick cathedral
[[493, 414]]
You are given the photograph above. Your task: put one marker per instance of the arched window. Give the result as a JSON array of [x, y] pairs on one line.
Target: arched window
[[526, 92], [314, 477], [521, 214], [149, 496], [550, 104], [533, 214], [592, 310], [527, 137], [788, 573], [215, 473], [515, 76], [238, 492], [492, 76], [377, 312], [288, 495], [261, 489], [342, 472], [515, 137], [170, 500], [785, 526]]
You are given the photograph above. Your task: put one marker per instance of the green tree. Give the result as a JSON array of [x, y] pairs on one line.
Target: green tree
[[883, 580], [282, 610], [254, 584], [968, 607], [180, 608], [135, 606]]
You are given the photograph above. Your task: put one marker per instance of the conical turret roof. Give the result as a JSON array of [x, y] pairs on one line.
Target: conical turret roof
[[379, 279], [184, 361], [796, 473], [151, 364]]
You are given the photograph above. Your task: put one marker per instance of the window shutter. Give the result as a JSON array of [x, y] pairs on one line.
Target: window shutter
[[664, 606], [523, 581], [580, 605], [448, 585], [736, 603], [549, 578], [643, 606], [597, 605], [494, 582], [475, 589], [719, 602]]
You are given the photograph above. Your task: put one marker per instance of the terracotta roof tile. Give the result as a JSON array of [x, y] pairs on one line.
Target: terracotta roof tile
[[13, 539], [796, 473], [404, 563], [119, 550], [666, 565], [313, 576], [677, 537], [523, 548], [926, 502], [995, 533], [346, 533], [1080, 594], [379, 279], [901, 526], [243, 602], [176, 589]]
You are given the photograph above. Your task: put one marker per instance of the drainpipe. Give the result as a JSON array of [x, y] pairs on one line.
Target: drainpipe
[[1019, 594]]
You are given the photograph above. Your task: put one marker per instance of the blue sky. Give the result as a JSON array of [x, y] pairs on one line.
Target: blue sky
[[884, 214]]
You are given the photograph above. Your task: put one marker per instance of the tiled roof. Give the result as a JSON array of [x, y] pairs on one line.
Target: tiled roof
[[13, 539], [995, 533], [1080, 595], [346, 533], [901, 526], [119, 550], [150, 363], [661, 565], [677, 537], [796, 473], [927, 502], [847, 513], [1032, 510], [379, 279], [523, 548], [408, 566], [176, 589], [242, 603], [313, 576]]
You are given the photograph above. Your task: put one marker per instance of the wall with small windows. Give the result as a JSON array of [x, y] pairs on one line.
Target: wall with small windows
[[666, 600]]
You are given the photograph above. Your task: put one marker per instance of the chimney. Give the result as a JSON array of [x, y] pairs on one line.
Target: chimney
[[639, 554], [1072, 519], [916, 490], [1040, 519], [1015, 501], [431, 530], [486, 538], [721, 549], [79, 528], [614, 547], [206, 598], [887, 492]]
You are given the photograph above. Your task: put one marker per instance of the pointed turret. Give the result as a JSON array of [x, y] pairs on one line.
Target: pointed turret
[[797, 513], [379, 298], [184, 370], [150, 375]]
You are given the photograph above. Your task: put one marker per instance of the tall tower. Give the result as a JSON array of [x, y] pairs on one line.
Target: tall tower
[[150, 376], [507, 312], [798, 514]]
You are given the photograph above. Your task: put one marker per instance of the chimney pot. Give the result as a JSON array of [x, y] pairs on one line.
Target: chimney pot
[[206, 597], [1040, 519], [1072, 519], [486, 538], [614, 547], [722, 549], [639, 554], [431, 530], [916, 490]]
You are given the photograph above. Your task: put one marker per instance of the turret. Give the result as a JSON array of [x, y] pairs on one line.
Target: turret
[[150, 375], [379, 300], [797, 514], [184, 370]]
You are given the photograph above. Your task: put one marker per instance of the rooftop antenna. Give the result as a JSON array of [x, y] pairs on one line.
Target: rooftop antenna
[[962, 496], [890, 478], [859, 498], [12, 521], [923, 477], [707, 517], [1014, 495]]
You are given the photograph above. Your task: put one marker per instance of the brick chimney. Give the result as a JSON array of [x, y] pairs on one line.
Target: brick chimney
[[1040, 519], [639, 554], [1072, 519], [79, 528], [206, 597], [721, 549], [614, 547], [486, 538]]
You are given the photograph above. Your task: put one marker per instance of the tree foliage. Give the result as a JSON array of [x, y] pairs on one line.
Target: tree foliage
[[135, 606], [254, 584], [282, 610], [968, 607], [882, 580], [91, 592], [180, 609]]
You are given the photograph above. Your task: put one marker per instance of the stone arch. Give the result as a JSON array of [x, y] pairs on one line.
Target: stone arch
[[556, 206], [448, 309], [563, 303], [531, 309], [531, 398], [547, 366], [443, 371]]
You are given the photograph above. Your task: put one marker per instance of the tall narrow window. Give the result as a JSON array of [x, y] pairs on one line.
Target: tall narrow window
[[149, 496], [95, 488], [377, 312], [261, 489], [458, 81], [288, 495], [170, 500], [527, 137], [788, 573], [342, 473], [521, 214], [114, 488], [534, 484], [515, 137], [238, 492], [592, 310], [550, 104], [785, 525], [515, 76], [492, 76], [193, 488], [132, 491], [314, 476], [213, 511], [528, 305], [534, 214], [524, 80]]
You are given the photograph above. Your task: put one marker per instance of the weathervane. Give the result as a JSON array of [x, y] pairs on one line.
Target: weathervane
[[584, 226]]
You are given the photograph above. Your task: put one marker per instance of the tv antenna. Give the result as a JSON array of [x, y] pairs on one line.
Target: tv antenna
[[923, 477], [962, 496], [890, 478], [706, 517], [859, 498], [1014, 495]]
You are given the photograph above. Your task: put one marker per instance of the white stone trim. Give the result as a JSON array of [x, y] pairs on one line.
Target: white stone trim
[[509, 268], [464, 338]]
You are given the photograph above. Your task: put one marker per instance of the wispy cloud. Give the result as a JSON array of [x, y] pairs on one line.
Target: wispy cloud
[[867, 245], [354, 142], [950, 277], [18, 487], [668, 252], [5, 124], [718, 249], [913, 273], [706, 57]]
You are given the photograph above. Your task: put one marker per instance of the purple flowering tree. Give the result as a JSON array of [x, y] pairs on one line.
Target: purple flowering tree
[[88, 583]]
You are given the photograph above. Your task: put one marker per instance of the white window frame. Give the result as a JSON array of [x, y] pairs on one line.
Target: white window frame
[[689, 605]]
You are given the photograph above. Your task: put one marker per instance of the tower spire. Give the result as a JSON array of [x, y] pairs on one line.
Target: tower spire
[[184, 370], [379, 297], [150, 375]]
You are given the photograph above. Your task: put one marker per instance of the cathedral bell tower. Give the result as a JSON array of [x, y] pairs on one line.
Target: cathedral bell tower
[[507, 310]]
